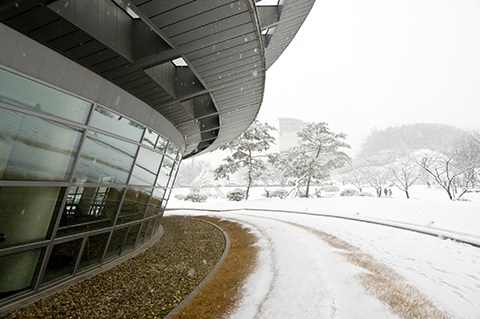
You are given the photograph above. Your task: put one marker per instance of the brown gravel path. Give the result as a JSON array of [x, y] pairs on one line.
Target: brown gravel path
[[147, 286]]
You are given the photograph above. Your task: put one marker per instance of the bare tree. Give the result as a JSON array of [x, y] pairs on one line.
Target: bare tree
[[355, 177], [467, 153], [446, 170], [377, 177], [404, 173]]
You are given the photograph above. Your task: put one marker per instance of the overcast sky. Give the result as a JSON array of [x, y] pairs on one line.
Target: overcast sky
[[360, 64]]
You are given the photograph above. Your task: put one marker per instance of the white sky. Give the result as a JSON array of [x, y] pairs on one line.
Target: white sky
[[357, 64]]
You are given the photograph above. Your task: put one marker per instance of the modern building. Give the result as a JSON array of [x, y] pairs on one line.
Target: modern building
[[287, 132], [100, 100]]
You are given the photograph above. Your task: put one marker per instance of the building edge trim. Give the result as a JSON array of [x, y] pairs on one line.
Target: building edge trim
[[93, 88]]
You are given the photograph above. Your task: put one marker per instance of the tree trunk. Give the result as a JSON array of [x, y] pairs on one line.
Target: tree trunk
[[406, 193], [248, 186], [308, 187]]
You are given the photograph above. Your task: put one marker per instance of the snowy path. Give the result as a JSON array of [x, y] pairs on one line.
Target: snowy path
[[300, 276], [447, 272]]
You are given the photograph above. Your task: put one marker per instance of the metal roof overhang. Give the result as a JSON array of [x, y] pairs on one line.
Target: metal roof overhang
[[280, 23], [214, 97]]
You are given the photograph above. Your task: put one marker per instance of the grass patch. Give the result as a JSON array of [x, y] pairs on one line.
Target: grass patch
[[384, 283], [220, 294]]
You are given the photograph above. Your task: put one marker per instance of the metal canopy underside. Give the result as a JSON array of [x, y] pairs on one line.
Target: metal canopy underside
[[216, 91]]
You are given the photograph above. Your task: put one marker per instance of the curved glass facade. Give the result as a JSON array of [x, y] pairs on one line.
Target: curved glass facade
[[80, 185]]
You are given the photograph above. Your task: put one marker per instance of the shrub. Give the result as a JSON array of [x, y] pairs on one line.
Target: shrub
[[365, 194], [196, 198], [237, 194], [280, 193], [330, 189], [180, 196], [349, 192], [214, 196]]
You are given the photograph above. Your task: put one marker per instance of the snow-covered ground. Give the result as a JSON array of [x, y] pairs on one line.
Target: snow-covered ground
[[301, 276]]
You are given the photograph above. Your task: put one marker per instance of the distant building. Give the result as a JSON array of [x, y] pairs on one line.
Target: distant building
[[287, 132]]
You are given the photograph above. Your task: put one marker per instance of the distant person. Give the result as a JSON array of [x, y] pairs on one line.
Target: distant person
[[386, 192], [390, 192]]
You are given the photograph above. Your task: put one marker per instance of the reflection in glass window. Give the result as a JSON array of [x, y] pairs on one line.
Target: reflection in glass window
[[35, 149], [161, 144], [174, 172], [143, 231], [117, 124], [134, 205], [15, 279], [148, 234], [116, 243], [172, 150], [105, 159], [157, 225], [62, 260], [89, 208], [25, 93], [28, 214], [155, 202], [150, 138], [93, 251], [146, 167], [165, 172], [131, 237]]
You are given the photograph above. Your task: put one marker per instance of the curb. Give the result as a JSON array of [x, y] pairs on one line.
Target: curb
[[440, 233], [195, 292]]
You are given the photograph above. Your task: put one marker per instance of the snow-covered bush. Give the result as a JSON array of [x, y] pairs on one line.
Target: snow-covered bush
[[214, 196], [349, 192], [237, 194], [365, 194], [330, 189], [180, 196], [196, 198], [280, 193]]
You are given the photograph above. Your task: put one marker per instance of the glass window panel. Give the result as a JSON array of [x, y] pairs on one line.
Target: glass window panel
[[150, 138], [157, 225], [165, 172], [93, 251], [148, 234], [62, 260], [161, 144], [105, 159], [155, 202], [18, 272], [134, 205], [35, 149], [89, 208], [131, 237], [167, 196], [116, 243], [117, 124], [174, 172], [25, 93], [28, 214], [172, 150], [143, 231], [146, 167]]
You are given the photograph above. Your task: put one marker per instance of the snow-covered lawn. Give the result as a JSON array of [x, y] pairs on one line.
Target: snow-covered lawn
[[301, 276]]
